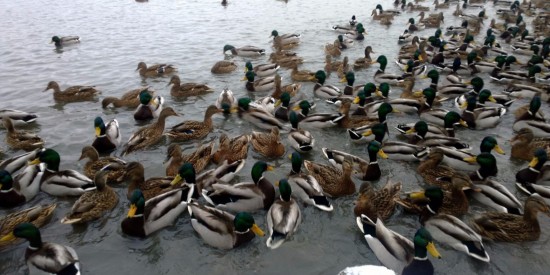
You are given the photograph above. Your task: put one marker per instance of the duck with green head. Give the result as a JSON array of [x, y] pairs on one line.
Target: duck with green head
[[283, 217], [404, 105], [150, 106], [299, 139], [456, 158], [451, 90], [107, 136], [10, 197], [258, 85], [531, 117], [534, 178], [487, 166], [418, 136], [451, 119], [423, 243], [322, 90], [38, 215], [323, 120], [64, 40], [19, 139], [381, 76], [245, 51], [427, 112], [287, 38], [481, 118], [336, 182], [262, 70], [477, 84], [306, 187], [259, 117]]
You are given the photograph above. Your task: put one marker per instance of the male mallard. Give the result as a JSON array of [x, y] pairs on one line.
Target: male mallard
[[523, 90], [21, 139], [531, 179], [377, 204], [226, 100], [222, 229], [366, 171], [223, 67], [334, 181], [455, 158], [283, 217], [244, 196], [487, 166], [484, 99], [349, 78], [481, 118], [258, 85], [10, 195], [73, 93], [187, 89], [287, 38], [513, 228], [232, 150], [64, 40], [155, 70], [17, 116], [420, 137], [93, 204], [316, 120], [306, 187], [532, 119], [299, 139], [193, 129], [150, 106], [107, 136], [499, 76], [451, 119], [38, 215], [13, 164], [262, 70], [322, 90], [268, 144], [524, 144], [45, 257], [95, 163], [148, 216], [427, 112], [529, 111], [381, 76], [129, 99], [134, 174], [148, 135], [364, 62], [245, 51], [497, 196], [451, 90], [258, 117]]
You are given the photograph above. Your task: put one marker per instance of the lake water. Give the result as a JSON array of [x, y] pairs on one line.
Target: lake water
[[116, 35]]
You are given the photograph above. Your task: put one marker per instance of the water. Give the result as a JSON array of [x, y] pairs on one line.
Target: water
[[116, 35]]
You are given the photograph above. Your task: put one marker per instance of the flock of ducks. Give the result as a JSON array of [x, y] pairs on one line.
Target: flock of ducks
[[220, 210]]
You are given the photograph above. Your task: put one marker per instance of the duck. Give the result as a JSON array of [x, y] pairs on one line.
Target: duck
[[155, 70], [451, 119], [258, 85], [287, 38], [381, 76], [45, 257], [285, 59], [349, 79], [334, 181], [148, 216], [95, 164], [23, 140], [223, 67], [231, 149], [73, 93], [301, 75], [15, 163], [413, 26], [61, 41], [487, 166], [429, 114], [262, 70], [193, 129], [148, 135], [505, 227], [226, 100], [532, 119], [268, 144], [200, 158], [245, 51], [420, 130], [134, 174], [455, 158], [481, 118], [495, 195], [451, 90], [18, 116], [283, 217], [93, 204], [258, 117], [322, 90], [13, 195], [129, 99], [38, 215], [282, 107], [364, 62], [367, 171], [187, 89], [323, 120], [404, 105], [107, 136], [524, 144], [301, 140], [221, 229], [377, 204], [150, 106], [334, 49], [244, 196], [306, 187], [477, 84], [516, 75], [225, 172], [522, 90], [174, 160], [484, 99], [531, 180]]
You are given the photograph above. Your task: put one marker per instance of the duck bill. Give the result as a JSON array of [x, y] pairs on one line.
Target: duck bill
[[464, 105], [257, 230], [423, 76], [534, 162], [367, 133], [470, 159], [492, 99], [132, 211], [373, 62], [382, 154], [176, 180], [499, 150], [356, 100], [244, 78], [410, 131], [343, 80], [34, 162], [270, 168], [463, 123], [418, 94], [8, 237], [417, 195], [296, 108], [97, 131], [378, 93], [278, 102], [433, 251], [234, 109]]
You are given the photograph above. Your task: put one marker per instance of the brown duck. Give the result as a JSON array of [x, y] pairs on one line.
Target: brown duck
[[155, 70], [21, 139], [95, 163], [129, 99], [194, 129], [268, 144], [187, 89], [335, 182], [231, 149], [73, 93]]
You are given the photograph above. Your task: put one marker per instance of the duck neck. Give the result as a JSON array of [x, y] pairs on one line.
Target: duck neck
[[35, 242]]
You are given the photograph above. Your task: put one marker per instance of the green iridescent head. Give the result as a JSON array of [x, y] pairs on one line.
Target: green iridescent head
[[285, 190], [145, 97]]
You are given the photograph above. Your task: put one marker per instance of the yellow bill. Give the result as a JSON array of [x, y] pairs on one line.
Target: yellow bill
[[8, 237], [36, 161], [410, 131], [418, 94], [367, 133], [499, 150], [382, 154], [417, 195], [470, 159], [463, 123], [97, 131], [270, 168], [176, 180], [534, 162], [492, 99], [278, 102], [356, 100], [132, 211], [296, 108], [343, 80], [257, 230], [431, 248]]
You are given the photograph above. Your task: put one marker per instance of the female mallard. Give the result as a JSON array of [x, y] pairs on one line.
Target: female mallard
[[64, 40], [292, 88], [193, 129], [226, 100], [222, 229], [299, 139], [107, 136], [148, 216], [377, 204], [174, 159], [283, 217], [129, 99], [357, 121], [231, 149], [316, 120], [301, 75], [93, 204], [200, 158], [331, 65], [155, 70], [524, 144], [481, 118], [73, 93], [37, 215], [258, 85], [95, 163], [45, 257], [17, 116], [258, 117], [381, 76], [150, 106], [364, 62], [513, 228], [306, 187], [21, 139], [324, 91], [335, 182], [334, 49], [531, 179], [148, 135], [134, 174], [244, 196], [262, 70], [268, 144], [187, 89], [223, 67], [245, 51]]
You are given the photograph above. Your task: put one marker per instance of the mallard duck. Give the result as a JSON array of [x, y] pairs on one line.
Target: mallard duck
[[223, 67], [18, 117], [381, 76], [148, 135], [513, 228], [268, 144], [504, 76], [258, 85], [13, 164], [129, 99], [301, 75], [324, 120], [481, 118], [193, 129], [530, 179], [299, 139], [282, 107], [245, 51], [134, 174], [322, 90], [450, 90], [451, 119], [232, 150], [222, 229], [244, 196], [420, 137], [21, 139], [366, 269], [95, 163], [285, 59], [38, 215], [522, 90], [56, 182], [485, 95], [260, 118], [225, 172], [155, 70], [349, 79], [364, 62], [262, 70], [150, 106], [13, 195], [64, 40], [148, 216], [524, 144], [187, 89], [200, 158], [487, 166], [107, 136], [186, 178], [73, 93], [226, 100], [377, 204], [413, 26], [331, 65], [93, 204], [455, 158], [497, 196], [532, 119], [174, 160], [287, 38], [44, 256], [283, 217], [334, 49], [306, 187], [334, 181], [484, 99]]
